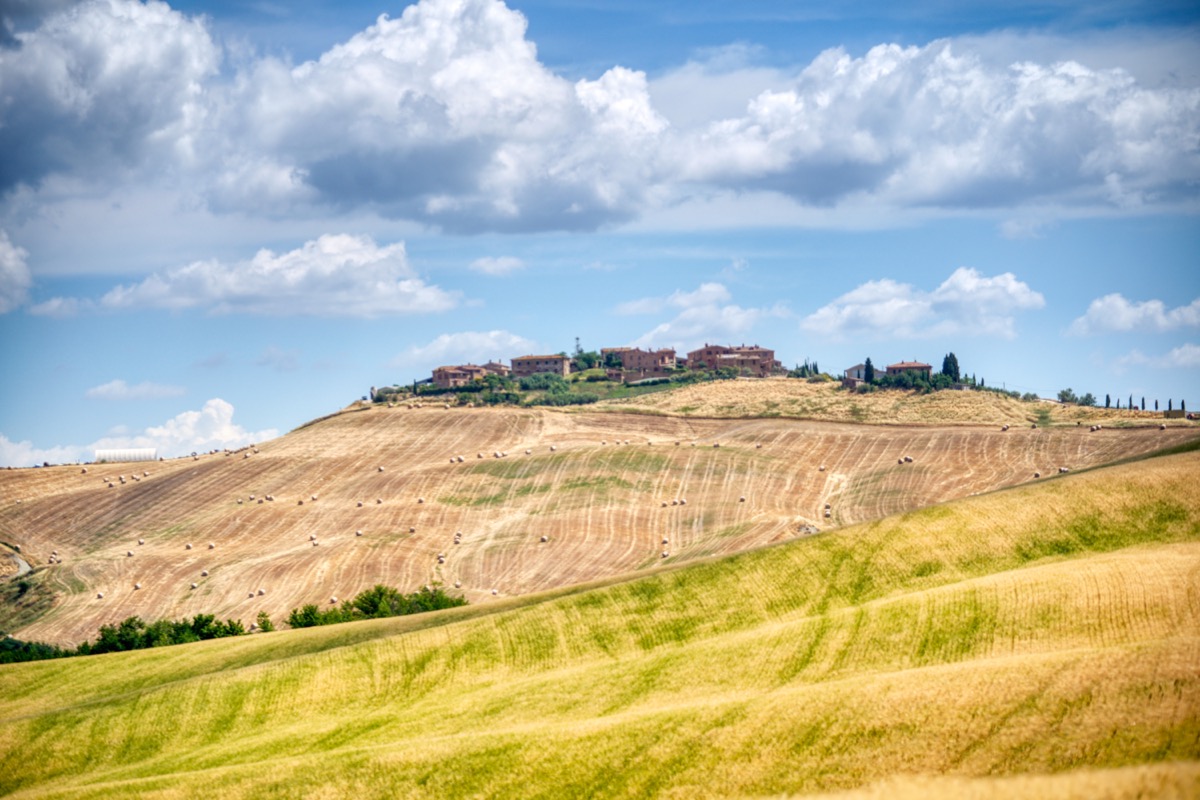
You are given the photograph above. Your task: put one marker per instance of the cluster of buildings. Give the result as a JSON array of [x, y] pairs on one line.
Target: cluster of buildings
[[635, 364]]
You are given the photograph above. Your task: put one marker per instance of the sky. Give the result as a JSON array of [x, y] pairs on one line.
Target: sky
[[219, 220]]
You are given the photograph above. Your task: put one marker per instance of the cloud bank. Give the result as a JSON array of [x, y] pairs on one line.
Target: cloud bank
[[1113, 313], [445, 116], [965, 304], [476, 347]]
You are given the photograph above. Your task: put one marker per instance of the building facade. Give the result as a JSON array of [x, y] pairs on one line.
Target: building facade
[[910, 366], [755, 361], [524, 366]]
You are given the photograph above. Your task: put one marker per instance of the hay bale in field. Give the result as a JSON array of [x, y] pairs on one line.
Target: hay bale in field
[[460, 459], [742, 499], [314, 497], [299, 502], [250, 595], [479, 455], [420, 500], [908, 459], [545, 538], [495, 591], [239, 501], [412, 529], [677, 444], [270, 498], [664, 503], [1063, 470], [603, 441], [528, 452], [129, 554], [261, 592], [211, 546], [381, 469], [821, 468], [716, 444], [682, 502], [99, 595], [666, 553], [333, 600], [458, 584], [452, 460], [315, 543], [496, 454], [360, 503], [312, 537], [187, 546], [83, 471], [194, 585], [1162, 426], [1037, 474], [552, 448], [111, 485], [358, 533], [666, 540], [203, 573], [674, 502], [758, 446], [378, 501], [141, 541], [1034, 425]]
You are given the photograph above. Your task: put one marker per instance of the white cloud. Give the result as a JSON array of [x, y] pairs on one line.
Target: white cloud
[[1186, 356], [503, 265], [212, 427], [1114, 313], [965, 304], [476, 347], [705, 314], [444, 115], [15, 279], [335, 275], [61, 307], [120, 390], [25, 454]]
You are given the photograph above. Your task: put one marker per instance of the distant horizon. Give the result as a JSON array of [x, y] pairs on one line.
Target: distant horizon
[[219, 218]]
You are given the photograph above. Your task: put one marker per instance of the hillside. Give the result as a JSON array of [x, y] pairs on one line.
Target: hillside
[[799, 399], [1039, 641], [594, 484]]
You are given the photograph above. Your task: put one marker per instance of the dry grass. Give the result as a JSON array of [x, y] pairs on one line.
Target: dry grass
[[797, 399], [1041, 640], [599, 504]]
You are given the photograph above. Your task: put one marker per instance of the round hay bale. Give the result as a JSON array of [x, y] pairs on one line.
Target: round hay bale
[[420, 500], [666, 540], [260, 501], [211, 546], [312, 537], [381, 469], [250, 595], [716, 444], [821, 468], [545, 538], [452, 461], [458, 584], [314, 497], [360, 503], [333, 600], [187, 546], [315, 543], [742, 499], [664, 503], [203, 573], [239, 501], [683, 502], [378, 501], [495, 591], [137, 586], [358, 533], [99, 595], [411, 529], [194, 585], [129, 554], [528, 452], [666, 553], [299, 502], [141, 541], [1037, 474], [552, 448]]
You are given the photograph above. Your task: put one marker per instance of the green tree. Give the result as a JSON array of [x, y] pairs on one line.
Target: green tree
[[1108, 402], [950, 366], [1087, 400], [868, 371], [378, 601], [1067, 396]]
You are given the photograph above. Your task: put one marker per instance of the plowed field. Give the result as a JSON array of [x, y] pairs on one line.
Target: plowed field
[[593, 484]]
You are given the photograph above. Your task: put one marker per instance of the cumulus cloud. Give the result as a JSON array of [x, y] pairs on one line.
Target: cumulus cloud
[[102, 87], [120, 390], [15, 279], [704, 314], [445, 115], [212, 427], [335, 275], [476, 347], [1186, 356], [503, 265], [1113, 313], [965, 304]]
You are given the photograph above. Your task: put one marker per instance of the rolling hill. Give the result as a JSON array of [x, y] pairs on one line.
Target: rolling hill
[[1037, 641], [382, 491]]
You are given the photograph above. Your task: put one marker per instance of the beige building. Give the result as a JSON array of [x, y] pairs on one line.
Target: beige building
[[755, 361], [638, 364], [910, 366], [453, 377], [523, 366]]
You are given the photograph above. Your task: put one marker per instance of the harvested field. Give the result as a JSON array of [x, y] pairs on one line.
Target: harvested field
[[599, 503], [1038, 642], [798, 399]]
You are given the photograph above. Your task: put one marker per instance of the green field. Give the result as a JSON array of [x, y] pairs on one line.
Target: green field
[[1039, 641]]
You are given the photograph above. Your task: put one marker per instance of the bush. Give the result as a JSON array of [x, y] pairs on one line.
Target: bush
[[543, 380], [375, 603], [264, 622]]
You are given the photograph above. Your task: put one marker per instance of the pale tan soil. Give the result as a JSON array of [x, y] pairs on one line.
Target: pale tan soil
[[599, 504]]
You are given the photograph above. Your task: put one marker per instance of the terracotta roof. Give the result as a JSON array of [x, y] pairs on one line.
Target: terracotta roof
[[908, 365]]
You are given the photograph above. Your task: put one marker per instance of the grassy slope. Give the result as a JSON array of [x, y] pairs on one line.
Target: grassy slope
[[1047, 633]]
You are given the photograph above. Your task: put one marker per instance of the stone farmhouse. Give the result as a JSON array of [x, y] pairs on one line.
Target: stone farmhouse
[[464, 374], [524, 366], [638, 364], [755, 361], [925, 370]]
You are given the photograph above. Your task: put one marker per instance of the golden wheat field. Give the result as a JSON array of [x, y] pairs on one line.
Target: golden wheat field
[[379, 494], [1038, 641]]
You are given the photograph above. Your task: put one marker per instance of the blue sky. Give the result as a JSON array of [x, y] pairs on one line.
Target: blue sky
[[221, 219]]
